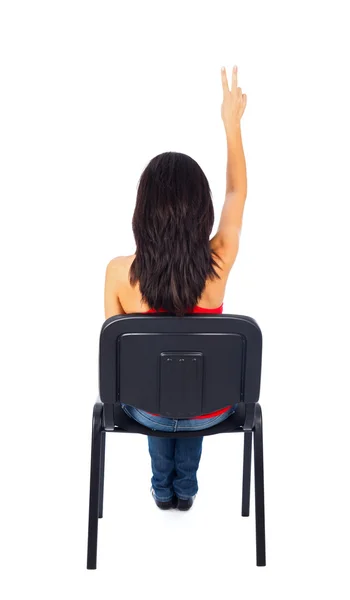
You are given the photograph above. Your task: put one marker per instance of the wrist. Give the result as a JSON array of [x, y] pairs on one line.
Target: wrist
[[234, 137], [233, 131]]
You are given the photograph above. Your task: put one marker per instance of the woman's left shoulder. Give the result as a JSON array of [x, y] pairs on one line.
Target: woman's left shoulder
[[120, 261], [120, 264]]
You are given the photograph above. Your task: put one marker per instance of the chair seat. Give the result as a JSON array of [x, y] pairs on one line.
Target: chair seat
[[126, 424]]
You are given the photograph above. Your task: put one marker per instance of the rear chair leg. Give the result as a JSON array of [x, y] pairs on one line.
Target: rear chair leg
[[94, 485], [259, 489]]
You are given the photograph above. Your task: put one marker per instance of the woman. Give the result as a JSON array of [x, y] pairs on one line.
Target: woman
[[177, 268]]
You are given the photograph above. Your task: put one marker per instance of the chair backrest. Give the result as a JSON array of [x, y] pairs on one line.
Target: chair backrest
[[180, 366]]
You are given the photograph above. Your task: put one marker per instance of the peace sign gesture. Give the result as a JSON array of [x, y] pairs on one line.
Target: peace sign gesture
[[234, 102]]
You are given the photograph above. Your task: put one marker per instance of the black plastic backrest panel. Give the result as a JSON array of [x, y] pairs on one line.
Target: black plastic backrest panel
[[149, 383], [134, 369]]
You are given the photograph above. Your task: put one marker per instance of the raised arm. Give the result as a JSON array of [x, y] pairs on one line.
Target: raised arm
[[226, 240]]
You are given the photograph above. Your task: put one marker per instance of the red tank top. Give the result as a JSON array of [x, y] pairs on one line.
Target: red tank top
[[199, 309]]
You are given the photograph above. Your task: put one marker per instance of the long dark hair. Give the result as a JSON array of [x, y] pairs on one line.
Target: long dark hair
[[172, 221]]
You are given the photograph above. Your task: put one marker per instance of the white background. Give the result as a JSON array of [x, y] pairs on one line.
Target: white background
[[90, 92]]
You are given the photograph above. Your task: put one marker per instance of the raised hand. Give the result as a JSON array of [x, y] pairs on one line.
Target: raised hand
[[234, 102]]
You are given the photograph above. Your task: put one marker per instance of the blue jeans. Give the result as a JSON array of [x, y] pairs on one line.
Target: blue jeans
[[175, 461]]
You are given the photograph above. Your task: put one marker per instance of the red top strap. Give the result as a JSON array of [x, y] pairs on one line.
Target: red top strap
[[196, 309]]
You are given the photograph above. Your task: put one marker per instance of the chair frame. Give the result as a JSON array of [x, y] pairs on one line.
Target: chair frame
[[104, 420]]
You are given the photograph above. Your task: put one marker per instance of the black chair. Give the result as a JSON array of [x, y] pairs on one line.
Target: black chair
[[179, 367]]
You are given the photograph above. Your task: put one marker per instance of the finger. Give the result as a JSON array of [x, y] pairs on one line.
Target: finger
[[224, 81], [234, 79]]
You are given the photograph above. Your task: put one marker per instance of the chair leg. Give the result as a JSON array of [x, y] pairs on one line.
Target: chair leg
[[94, 484], [247, 467], [102, 475], [259, 489]]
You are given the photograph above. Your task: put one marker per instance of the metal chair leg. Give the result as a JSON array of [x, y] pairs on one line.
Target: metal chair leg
[[94, 484], [247, 467], [102, 475], [259, 489]]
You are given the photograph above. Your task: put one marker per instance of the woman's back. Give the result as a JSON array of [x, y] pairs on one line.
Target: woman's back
[[130, 297]]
